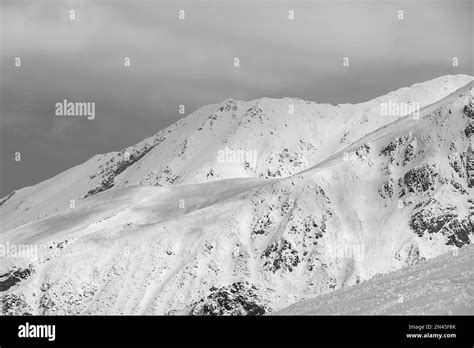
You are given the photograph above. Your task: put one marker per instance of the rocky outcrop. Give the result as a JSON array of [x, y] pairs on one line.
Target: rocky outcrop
[[470, 167], [13, 304], [240, 298], [117, 165], [420, 179], [469, 109], [431, 218], [280, 255], [13, 277]]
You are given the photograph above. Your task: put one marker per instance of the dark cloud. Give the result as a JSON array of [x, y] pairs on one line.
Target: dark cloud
[[190, 62]]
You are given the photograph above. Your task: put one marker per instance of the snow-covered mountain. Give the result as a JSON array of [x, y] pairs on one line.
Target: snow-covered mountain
[[187, 151], [329, 196]]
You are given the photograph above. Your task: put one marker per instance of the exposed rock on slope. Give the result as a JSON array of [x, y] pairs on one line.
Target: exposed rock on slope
[[440, 286]]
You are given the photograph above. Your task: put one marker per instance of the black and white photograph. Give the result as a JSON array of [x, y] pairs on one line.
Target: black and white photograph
[[290, 160]]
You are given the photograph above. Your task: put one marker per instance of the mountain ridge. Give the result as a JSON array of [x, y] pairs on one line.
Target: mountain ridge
[[177, 164]]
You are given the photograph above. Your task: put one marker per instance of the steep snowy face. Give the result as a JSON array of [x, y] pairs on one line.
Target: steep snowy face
[[398, 193], [262, 138], [403, 192]]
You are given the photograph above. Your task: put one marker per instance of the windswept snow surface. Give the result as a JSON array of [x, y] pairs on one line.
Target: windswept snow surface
[[440, 286], [339, 194]]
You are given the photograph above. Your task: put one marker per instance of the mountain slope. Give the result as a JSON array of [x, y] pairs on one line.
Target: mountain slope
[[441, 286]]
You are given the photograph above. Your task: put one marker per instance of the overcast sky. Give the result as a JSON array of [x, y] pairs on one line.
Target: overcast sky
[[190, 62]]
